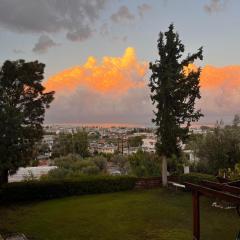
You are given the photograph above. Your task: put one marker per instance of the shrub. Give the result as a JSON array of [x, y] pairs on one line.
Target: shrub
[[90, 170], [40, 190], [196, 178], [72, 166], [122, 162], [100, 162], [144, 164], [57, 174]]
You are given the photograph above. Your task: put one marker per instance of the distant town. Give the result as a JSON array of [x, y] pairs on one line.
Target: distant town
[[107, 140], [102, 139]]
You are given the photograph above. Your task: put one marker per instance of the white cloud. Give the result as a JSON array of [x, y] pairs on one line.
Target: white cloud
[[43, 44]]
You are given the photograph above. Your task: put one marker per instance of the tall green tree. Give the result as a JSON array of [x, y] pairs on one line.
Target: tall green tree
[[23, 101], [174, 90]]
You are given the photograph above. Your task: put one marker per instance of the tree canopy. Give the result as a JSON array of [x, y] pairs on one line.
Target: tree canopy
[[135, 141], [23, 101], [76, 143], [218, 149]]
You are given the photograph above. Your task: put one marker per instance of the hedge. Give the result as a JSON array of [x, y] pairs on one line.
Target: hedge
[[196, 178], [49, 189]]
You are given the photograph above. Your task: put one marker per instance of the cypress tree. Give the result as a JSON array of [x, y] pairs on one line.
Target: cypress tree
[[174, 91]]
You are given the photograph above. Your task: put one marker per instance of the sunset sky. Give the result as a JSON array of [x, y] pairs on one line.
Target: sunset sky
[[97, 53]]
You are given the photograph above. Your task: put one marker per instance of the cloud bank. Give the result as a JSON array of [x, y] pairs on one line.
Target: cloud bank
[[115, 90], [78, 20], [220, 91], [114, 75]]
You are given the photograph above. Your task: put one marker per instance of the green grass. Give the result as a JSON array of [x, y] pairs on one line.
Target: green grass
[[136, 215]]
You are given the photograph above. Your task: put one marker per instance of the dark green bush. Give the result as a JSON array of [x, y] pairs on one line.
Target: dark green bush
[[40, 190], [196, 178], [73, 165], [144, 164]]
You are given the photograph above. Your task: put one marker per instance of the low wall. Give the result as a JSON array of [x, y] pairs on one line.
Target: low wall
[[151, 182]]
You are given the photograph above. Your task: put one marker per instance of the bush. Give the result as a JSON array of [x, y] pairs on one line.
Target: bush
[[72, 166], [90, 170], [196, 178], [122, 162], [40, 190], [144, 164]]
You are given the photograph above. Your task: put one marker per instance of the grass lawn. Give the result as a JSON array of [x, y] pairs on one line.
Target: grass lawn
[[136, 215]]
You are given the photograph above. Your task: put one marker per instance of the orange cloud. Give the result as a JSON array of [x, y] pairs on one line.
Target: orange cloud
[[113, 74], [119, 74], [115, 88], [216, 77], [227, 77]]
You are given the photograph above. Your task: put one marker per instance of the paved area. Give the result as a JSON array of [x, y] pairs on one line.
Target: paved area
[[14, 237]]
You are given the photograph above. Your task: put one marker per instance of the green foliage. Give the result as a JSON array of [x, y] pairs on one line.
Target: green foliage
[[232, 174], [74, 166], [23, 101], [197, 178], [41, 190], [76, 143], [174, 92], [217, 149], [176, 164], [100, 162], [42, 148], [135, 141], [200, 167], [144, 164], [108, 156], [90, 170], [122, 162]]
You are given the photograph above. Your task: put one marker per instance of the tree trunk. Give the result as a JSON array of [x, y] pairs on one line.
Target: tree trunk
[[164, 171], [3, 176]]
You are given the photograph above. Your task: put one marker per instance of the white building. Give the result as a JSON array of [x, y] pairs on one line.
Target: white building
[[191, 156], [30, 172], [107, 149], [130, 150], [149, 144]]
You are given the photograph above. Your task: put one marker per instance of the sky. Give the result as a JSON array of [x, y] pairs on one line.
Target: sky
[[97, 53]]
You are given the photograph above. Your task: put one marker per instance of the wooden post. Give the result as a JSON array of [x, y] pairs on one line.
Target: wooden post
[[196, 215], [164, 172]]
